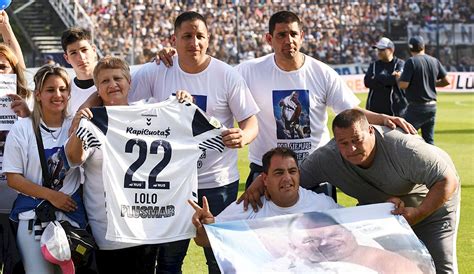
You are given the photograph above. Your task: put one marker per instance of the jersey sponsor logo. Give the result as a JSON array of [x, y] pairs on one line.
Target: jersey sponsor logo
[[147, 132]]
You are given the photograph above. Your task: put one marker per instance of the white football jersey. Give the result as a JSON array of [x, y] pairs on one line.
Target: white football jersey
[[150, 166]]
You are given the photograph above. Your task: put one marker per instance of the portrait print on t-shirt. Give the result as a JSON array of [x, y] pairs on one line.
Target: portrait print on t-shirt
[[57, 166], [291, 110]]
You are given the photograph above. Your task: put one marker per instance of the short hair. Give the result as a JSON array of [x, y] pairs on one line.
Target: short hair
[[312, 220], [283, 17], [73, 35], [188, 16], [281, 151], [349, 117], [111, 62]]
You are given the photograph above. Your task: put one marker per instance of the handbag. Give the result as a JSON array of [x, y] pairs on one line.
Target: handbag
[[81, 242]]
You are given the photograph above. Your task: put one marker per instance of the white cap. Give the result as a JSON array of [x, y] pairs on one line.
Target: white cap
[[384, 43], [55, 247]]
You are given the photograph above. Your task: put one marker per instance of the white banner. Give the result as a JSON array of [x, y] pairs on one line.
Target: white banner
[[7, 116], [362, 239], [458, 82]]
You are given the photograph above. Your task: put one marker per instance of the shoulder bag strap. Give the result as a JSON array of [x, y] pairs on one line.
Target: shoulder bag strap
[[39, 142]]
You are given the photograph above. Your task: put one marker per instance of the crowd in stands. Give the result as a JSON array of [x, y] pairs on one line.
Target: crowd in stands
[[336, 33]]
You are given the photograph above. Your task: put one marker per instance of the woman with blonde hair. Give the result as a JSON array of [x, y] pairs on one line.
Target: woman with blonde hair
[[11, 62], [23, 167]]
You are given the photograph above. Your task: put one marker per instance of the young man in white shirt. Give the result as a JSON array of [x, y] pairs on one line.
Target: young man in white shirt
[[82, 56], [221, 92]]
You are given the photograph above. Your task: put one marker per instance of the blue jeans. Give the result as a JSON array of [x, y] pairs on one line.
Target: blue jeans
[[218, 198], [170, 256], [422, 116]]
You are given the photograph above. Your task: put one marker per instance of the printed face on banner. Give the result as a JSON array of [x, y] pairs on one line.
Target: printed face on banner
[[363, 239]]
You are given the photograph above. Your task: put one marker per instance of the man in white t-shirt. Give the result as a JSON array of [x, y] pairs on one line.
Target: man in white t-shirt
[[82, 56], [315, 85], [275, 76], [217, 89], [281, 177]]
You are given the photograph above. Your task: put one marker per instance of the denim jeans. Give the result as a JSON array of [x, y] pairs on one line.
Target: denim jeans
[[422, 116], [170, 256], [138, 260], [218, 198]]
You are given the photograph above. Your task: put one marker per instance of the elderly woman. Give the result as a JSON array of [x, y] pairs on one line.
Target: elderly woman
[[112, 79], [23, 167]]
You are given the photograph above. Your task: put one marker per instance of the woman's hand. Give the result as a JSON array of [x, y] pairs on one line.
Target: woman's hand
[[19, 106], [82, 113], [62, 201]]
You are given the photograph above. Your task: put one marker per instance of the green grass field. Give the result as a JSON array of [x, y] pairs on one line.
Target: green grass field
[[455, 134]]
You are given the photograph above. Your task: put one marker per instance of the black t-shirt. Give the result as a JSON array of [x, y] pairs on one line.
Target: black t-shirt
[[422, 71]]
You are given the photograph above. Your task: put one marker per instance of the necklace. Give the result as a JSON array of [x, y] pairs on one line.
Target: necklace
[[55, 138]]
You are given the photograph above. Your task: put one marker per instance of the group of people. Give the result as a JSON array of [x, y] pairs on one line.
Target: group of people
[[406, 89], [259, 95], [115, 23]]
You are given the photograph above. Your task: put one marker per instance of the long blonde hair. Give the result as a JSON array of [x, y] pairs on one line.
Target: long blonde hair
[[40, 77], [21, 85]]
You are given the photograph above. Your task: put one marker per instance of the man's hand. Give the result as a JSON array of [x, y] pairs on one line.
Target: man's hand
[[19, 106], [397, 74], [397, 203], [183, 95], [202, 215], [82, 113], [253, 195], [166, 56], [393, 121], [411, 214], [233, 138]]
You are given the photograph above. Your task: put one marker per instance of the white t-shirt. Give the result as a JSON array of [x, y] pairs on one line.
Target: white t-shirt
[[149, 172], [8, 194], [317, 86], [78, 96], [21, 156], [218, 90], [308, 201], [94, 200]]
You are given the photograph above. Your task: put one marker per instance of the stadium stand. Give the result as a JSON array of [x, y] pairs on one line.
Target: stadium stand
[[337, 32]]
